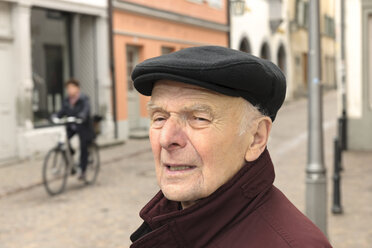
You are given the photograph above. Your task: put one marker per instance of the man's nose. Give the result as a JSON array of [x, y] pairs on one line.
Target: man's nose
[[173, 135]]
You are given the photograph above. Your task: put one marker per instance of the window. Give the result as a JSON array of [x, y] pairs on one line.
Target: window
[[132, 61], [51, 61], [329, 71], [166, 50], [212, 3], [305, 61], [265, 52], [244, 46], [302, 13], [215, 3], [282, 59], [329, 26], [196, 1], [5, 20]]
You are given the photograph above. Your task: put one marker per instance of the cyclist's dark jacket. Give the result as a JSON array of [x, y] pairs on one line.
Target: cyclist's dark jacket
[[247, 211], [81, 110]]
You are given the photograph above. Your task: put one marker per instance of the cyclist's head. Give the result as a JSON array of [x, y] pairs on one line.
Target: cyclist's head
[[72, 87]]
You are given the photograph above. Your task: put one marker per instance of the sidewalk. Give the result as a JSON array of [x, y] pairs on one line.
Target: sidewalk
[[353, 227], [25, 175]]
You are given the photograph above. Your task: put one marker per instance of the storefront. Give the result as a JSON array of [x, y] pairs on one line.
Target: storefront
[[47, 43]]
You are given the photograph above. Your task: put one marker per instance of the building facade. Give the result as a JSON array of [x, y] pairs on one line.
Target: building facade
[[358, 72], [261, 29], [42, 44], [147, 28], [299, 44]]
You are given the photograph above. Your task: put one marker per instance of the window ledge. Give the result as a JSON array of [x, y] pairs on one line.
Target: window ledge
[[6, 37]]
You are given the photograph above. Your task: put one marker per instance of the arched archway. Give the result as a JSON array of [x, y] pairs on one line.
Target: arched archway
[[281, 58], [265, 51], [245, 46]]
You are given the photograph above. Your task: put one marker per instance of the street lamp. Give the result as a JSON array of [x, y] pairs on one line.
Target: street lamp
[[238, 7]]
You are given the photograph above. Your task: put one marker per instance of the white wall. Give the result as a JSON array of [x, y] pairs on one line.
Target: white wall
[[97, 3], [7, 86], [353, 40], [90, 7], [254, 26]]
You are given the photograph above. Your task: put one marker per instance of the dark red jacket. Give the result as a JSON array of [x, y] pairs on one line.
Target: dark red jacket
[[247, 211]]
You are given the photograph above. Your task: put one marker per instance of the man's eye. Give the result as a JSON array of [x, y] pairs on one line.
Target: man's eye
[[159, 119], [199, 121], [196, 118]]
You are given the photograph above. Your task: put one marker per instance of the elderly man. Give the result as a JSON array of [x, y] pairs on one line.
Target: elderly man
[[211, 112]]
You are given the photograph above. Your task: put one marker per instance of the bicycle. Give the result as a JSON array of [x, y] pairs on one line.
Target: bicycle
[[59, 162]]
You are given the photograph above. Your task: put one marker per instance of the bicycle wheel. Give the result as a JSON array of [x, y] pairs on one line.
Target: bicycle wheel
[[55, 171], [93, 165]]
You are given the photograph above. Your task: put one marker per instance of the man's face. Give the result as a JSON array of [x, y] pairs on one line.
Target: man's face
[[195, 139], [72, 90]]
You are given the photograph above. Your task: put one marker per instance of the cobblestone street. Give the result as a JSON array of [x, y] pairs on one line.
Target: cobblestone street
[[105, 214]]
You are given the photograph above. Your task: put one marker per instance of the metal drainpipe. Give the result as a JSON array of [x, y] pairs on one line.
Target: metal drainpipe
[[112, 67], [228, 24]]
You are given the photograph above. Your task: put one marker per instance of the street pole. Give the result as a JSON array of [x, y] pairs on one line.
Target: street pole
[[316, 181], [343, 120]]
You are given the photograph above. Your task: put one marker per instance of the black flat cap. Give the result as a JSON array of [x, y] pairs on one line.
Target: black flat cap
[[226, 71]]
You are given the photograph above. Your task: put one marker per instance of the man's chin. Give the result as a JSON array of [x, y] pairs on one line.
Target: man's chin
[[178, 195]]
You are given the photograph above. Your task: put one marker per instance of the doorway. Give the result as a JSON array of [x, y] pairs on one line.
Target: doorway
[[265, 52], [132, 55], [245, 46], [54, 77], [304, 69], [51, 61]]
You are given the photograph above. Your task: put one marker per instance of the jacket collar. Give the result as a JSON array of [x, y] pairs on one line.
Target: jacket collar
[[197, 225]]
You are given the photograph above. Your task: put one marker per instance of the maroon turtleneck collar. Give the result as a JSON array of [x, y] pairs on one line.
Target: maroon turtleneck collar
[[197, 225]]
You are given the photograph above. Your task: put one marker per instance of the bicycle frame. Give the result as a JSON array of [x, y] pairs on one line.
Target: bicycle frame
[[59, 172], [63, 141], [64, 145]]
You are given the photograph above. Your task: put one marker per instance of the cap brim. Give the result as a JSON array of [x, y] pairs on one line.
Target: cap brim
[[145, 83]]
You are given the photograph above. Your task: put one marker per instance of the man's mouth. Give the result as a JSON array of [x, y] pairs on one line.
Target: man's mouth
[[172, 167]]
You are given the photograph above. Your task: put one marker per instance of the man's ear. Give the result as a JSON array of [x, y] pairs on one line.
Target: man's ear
[[260, 135]]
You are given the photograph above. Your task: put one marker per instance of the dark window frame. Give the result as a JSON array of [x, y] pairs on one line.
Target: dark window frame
[[43, 121]]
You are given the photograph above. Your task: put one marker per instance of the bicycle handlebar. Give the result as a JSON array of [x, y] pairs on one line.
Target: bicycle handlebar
[[66, 120]]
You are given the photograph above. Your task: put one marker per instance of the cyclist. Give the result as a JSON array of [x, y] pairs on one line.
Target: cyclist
[[77, 104]]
